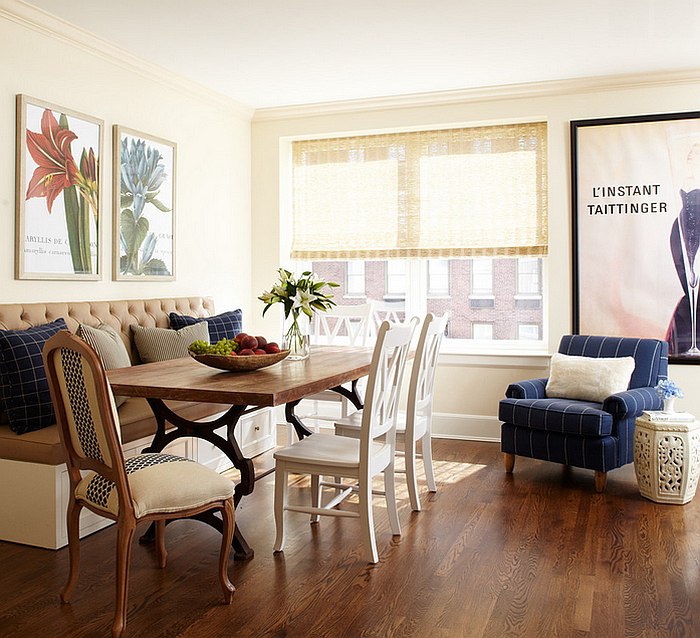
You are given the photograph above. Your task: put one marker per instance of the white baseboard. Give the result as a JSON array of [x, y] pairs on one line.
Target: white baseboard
[[468, 427]]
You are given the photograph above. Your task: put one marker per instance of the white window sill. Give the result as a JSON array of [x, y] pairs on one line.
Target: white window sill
[[488, 354]]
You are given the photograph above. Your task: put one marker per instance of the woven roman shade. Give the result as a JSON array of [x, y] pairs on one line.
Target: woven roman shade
[[464, 192]]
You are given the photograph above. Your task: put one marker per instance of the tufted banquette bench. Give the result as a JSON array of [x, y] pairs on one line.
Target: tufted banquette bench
[[33, 479]]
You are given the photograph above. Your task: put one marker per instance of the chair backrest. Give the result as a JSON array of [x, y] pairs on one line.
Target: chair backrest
[[351, 324], [384, 385], [419, 408], [650, 355], [86, 414]]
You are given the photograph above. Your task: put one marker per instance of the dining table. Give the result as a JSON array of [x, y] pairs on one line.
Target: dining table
[[287, 383]]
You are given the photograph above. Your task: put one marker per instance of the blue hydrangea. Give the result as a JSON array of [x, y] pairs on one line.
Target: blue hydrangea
[[667, 389]]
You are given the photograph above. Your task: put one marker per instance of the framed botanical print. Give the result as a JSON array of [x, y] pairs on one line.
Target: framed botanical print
[[636, 229], [144, 206], [58, 192]]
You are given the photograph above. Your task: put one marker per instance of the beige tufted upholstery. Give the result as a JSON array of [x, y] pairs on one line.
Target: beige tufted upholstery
[[43, 446], [121, 315]]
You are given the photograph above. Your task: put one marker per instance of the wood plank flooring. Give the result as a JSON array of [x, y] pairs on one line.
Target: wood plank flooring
[[538, 553]]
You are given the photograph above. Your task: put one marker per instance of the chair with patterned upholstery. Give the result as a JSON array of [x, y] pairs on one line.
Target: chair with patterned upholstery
[[587, 426], [147, 487]]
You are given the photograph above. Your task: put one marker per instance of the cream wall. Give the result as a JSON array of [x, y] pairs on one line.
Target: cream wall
[[469, 387], [51, 61]]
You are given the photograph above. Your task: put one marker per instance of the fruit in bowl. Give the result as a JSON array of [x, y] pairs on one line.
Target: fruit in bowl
[[243, 352]]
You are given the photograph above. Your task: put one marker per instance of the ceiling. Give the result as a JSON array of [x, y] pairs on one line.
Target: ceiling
[[265, 53]]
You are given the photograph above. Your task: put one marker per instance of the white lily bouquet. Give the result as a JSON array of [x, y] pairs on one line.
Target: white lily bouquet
[[298, 295]]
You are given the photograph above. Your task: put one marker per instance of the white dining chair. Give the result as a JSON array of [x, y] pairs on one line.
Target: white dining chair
[[358, 459], [341, 325], [415, 424]]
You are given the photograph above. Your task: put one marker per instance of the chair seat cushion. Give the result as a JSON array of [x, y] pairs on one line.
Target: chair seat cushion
[[557, 415], [159, 483], [327, 449]]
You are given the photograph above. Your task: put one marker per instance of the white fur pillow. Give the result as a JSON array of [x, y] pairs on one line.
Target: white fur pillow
[[588, 378]]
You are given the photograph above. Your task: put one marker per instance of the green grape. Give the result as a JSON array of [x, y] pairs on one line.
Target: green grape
[[199, 347]]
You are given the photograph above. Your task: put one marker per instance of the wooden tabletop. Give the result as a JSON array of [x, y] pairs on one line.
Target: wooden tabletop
[[188, 380]]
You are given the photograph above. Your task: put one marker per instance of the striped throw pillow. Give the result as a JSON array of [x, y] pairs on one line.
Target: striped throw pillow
[[109, 345], [162, 344]]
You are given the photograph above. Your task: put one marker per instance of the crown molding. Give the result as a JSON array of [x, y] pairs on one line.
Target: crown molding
[[49, 25], [481, 94]]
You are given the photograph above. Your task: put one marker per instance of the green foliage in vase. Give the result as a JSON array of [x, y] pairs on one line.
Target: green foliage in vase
[[142, 175]]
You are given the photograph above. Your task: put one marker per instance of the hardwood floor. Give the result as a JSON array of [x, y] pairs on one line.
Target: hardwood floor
[[538, 553]]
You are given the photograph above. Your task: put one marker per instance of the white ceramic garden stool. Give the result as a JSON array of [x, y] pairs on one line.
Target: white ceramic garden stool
[[667, 459]]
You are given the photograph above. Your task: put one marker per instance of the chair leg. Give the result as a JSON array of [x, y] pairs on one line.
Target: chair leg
[[315, 496], [411, 478], [390, 496], [600, 481], [161, 552], [228, 517], [509, 460], [73, 525], [280, 504], [367, 520], [125, 536], [427, 451]]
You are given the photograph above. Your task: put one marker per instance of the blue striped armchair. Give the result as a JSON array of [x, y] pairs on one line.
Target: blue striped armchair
[[596, 436]]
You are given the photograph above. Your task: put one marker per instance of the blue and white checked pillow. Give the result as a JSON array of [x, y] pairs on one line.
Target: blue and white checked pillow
[[24, 391], [227, 324]]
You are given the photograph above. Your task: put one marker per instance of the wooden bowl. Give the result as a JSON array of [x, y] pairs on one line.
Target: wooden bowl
[[238, 363]]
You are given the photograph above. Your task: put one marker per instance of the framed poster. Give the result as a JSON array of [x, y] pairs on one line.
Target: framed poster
[[144, 206], [636, 229], [57, 192]]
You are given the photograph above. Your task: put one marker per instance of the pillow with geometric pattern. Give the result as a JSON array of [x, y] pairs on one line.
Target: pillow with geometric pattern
[[226, 325], [24, 391]]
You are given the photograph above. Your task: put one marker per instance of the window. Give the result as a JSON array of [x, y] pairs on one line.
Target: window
[[438, 277], [355, 278], [442, 220], [528, 276], [482, 276], [482, 331], [528, 332], [395, 279]]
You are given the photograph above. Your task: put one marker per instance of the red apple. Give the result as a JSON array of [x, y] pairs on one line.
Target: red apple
[[245, 352], [260, 351], [272, 348], [249, 341], [262, 342], [233, 353], [239, 337]]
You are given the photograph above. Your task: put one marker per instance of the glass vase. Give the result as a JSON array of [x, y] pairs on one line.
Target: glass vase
[[296, 337]]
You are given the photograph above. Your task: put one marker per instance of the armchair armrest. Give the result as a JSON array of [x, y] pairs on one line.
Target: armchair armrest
[[531, 389], [632, 403]]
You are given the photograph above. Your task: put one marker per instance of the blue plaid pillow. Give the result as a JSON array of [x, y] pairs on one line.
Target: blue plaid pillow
[[227, 324], [24, 390]]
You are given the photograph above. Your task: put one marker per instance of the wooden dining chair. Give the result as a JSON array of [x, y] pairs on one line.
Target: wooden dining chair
[[341, 325], [146, 487], [358, 459], [415, 424]]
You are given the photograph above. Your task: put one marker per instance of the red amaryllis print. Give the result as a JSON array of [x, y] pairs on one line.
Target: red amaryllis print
[[50, 149], [55, 172]]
